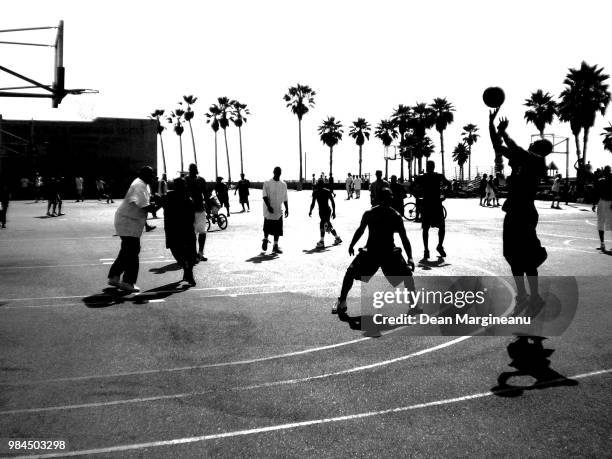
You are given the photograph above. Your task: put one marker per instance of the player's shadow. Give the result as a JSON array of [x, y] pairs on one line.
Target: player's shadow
[[365, 324], [427, 265], [316, 250], [530, 359], [164, 269], [45, 216], [262, 257], [605, 252], [111, 296]]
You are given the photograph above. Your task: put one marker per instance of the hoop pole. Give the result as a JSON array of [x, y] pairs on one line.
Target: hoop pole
[[567, 171], [28, 28], [25, 44], [29, 80]]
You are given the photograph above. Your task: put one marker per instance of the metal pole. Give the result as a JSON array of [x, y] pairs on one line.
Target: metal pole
[[567, 171]]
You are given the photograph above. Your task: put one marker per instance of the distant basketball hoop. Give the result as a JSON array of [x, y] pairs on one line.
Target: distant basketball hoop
[[56, 91], [391, 153]]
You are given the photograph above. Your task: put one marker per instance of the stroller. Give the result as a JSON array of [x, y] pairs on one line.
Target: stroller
[[213, 216]]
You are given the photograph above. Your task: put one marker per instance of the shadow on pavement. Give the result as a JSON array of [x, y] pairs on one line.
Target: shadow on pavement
[[111, 296], [530, 359], [262, 257], [165, 269], [365, 324], [316, 250], [427, 264]]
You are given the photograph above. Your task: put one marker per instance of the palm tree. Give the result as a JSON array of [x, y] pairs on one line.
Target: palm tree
[[330, 132], [225, 106], [239, 112], [443, 116], [300, 99], [460, 155], [585, 95], [423, 118], [176, 118], [386, 132], [212, 118], [607, 141], [156, 115], [189, 101], [542, 110], [360, 131], [470, 137], [402, 117]]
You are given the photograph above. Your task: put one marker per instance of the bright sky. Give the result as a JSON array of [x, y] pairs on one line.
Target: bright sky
[[362, 58]]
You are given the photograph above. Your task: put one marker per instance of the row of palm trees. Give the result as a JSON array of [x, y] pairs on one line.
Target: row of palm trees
[[409, 124], [219, 116], [585, 95]]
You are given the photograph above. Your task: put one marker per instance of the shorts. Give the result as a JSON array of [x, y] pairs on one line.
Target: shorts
[[392, 265], [604, 215], [522, 248], [325, 216], [273, 227], [432, 215], [243, 198], [200, 224]]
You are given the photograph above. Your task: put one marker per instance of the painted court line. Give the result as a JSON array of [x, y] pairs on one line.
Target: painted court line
[[283, 382], [142, 261], [221, 289], [290, 426]]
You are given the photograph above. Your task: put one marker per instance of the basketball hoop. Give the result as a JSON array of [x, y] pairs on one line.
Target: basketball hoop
[[390, 153]]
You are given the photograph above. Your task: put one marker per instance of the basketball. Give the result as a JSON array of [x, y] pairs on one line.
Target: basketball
[[493, 97]]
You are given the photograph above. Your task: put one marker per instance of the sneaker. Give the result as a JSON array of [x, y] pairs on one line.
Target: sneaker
[[441, 251], [520, 303], [264, 244], [339, 306], [126, 286], [602, 247], [114, 281], [338, 240], [426, 255], [320, 244], [150, 228], [276, 249], [189, 279]]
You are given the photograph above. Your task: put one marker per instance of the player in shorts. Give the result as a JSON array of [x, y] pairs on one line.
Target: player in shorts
[[196, 187], [323, 197], [431, 184], [380, 251]]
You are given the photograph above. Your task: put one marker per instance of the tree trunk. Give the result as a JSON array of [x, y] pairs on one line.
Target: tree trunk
[[331, 161], [360, 147], [229, 170], [300, 142], [470, 163], [163, 153], [401, 167], [442, 151], [195, 157], [577, 141], [216, 159], [240, 138], [585, 139], [386, 168], [181, 150]]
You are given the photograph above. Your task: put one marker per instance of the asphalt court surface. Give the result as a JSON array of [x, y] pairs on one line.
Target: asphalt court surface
[[250, 362]]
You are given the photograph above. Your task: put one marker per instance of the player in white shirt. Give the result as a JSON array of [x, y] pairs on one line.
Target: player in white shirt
[[274, 195]]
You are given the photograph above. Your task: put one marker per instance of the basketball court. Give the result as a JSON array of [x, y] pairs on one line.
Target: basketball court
[[250, 362]]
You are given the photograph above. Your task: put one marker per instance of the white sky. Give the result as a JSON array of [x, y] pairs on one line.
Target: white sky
[[362, 58]]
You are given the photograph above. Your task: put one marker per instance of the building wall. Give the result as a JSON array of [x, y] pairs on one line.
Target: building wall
[[113, 148]]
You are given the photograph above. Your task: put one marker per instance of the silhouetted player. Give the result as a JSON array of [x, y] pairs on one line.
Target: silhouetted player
[[430, 186], [380, 251], [196, 187], [323, 197], [522, 248]]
